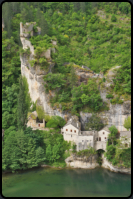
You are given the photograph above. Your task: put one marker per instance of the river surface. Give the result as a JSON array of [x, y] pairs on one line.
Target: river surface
[[49, 182]]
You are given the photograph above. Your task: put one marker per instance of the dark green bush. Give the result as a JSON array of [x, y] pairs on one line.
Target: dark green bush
[[113, 18], [109, 96]]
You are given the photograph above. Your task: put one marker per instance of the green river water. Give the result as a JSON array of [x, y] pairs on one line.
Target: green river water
[[49, 182]]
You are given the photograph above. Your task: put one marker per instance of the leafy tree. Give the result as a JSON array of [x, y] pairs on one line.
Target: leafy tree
[[110, 152], [9, 106], [113, 18], [112, 135], [54, 81], [56, 122], [40, 112], [22, 107], [72, 78], [127, 123], [94, 123]]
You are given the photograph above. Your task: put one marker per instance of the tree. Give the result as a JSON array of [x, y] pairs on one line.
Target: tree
[[56, 122], [73, 77], [40, 112], [94, 123], [113, 18], [112, 135], [22, 108], [127, 123]]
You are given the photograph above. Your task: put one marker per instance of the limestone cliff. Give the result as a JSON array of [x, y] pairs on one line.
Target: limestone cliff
[[82, 162], [34, 75], [114, 116]]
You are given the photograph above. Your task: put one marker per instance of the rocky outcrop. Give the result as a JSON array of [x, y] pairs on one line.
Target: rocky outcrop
[[114, 116], [107, 165], [82, 162], [34, 75]]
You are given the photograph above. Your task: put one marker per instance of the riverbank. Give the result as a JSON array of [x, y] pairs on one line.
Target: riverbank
[[107, 165], [82, 163], [91, 163]]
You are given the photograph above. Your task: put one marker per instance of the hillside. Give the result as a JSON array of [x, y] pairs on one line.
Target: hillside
[[62, 59], [88, 37]]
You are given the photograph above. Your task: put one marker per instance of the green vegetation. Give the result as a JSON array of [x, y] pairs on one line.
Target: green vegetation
[[116, 151], [28, 148], [24, 103], [127, 123], [109, 96], [87, 152], [94, 123], [56, 122]]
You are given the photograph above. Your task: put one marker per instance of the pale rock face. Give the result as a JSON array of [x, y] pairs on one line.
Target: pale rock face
[[114, 116], [78, 162]]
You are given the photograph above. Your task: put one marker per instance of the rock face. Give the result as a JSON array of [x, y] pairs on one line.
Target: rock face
[[82, 162], [34, 75], [114, 116], [107, 165]]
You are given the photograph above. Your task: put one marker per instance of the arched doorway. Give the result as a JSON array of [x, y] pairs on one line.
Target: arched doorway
[[99, 153]]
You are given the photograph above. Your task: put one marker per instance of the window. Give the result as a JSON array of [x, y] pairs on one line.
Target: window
[[70, 130], [39, 125], [99, 138], [66, 129], [105, 138], [74, 131], [103, 133], [71, 135]]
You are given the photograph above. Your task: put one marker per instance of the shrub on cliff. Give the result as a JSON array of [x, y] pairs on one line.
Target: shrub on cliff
[[56, 122], [127, 123], [94, 123]]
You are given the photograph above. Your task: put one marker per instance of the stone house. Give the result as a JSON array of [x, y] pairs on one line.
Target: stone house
[[33, 121], [101, 138], [72, 132], [125, 137]]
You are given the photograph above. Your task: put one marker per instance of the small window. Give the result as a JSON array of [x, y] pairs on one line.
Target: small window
[[105, 138], [70, 130], [103, 133], [71, 135], [99, 138], [66, 129], [74, 131], [39, 125]]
